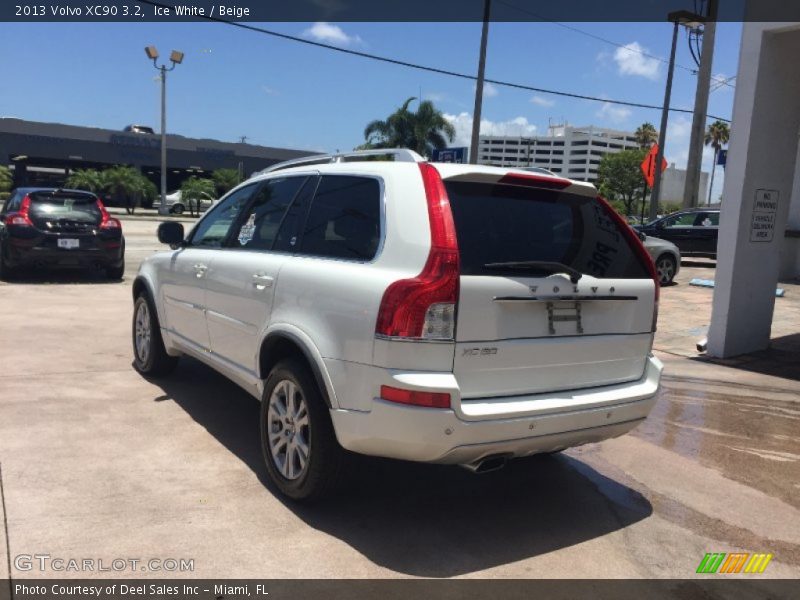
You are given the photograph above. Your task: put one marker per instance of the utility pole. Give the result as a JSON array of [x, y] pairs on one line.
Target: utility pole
[[476, 114], [242, 139], [662, 132], [695, 162]]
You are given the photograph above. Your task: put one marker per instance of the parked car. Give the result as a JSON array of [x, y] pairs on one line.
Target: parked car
[[138, 129], [694, 231], [177, 206], [448, 313], [50, 227], [666, 256]]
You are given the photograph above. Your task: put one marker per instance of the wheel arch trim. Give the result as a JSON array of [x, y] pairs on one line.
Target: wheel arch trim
[[310, 352]]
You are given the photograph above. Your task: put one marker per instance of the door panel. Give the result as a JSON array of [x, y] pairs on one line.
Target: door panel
[[183, 294], [706, 233]]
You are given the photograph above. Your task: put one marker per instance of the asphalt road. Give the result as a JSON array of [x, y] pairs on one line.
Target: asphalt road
[[99, 462]]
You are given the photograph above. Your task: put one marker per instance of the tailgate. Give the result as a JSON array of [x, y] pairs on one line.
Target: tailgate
[[525, 326]]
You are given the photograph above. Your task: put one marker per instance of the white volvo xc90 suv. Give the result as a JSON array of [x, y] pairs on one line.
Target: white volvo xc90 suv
[[442, 313]]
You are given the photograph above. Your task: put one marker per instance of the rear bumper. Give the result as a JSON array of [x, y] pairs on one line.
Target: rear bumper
[[20, 255], [452, 437]]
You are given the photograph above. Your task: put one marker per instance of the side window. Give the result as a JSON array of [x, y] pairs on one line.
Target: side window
[[286, 240], [259, 227], [683, 220], [344, 219], [11, 203], [213, 230], [709, 219]]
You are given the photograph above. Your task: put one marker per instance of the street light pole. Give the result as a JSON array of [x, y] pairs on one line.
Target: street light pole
[[175, 58], [476, 114], [662, 132]]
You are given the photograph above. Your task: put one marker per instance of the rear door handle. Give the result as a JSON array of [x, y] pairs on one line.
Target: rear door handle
[[261, 281]]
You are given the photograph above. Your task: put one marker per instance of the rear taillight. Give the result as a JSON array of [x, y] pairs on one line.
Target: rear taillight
[[424, 307], [533, 180], [106, 220], [21, 217], [638, 247], [415, 397]]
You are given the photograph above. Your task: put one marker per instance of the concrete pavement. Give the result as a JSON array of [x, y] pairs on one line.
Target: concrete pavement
[[99, 462]]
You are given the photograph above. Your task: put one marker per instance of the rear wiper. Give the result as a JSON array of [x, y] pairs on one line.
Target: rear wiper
[[538, 265]]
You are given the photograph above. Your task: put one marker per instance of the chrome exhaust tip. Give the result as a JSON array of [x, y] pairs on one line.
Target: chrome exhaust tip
[[487, 464]]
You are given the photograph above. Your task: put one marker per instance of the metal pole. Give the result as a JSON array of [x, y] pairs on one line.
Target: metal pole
[[162, 209], [662, 133], [695, 161], [476, 114]]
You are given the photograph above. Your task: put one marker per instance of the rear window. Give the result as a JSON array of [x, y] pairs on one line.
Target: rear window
[[64, 206], [505, 223]]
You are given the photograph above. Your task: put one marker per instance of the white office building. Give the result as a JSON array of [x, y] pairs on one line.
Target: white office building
[[566, 150]]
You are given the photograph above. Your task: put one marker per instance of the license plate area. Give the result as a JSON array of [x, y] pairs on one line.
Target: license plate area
[[564, 312], [69, 243]]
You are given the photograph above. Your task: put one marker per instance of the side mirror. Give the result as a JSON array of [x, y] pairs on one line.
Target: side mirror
[[642, 236], [171, 233]]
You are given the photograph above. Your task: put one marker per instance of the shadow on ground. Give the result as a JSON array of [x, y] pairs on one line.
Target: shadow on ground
[[60, 276], [781, 359], [428, 520]]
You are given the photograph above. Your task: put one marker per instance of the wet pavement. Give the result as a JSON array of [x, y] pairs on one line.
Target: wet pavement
[[96, 461]]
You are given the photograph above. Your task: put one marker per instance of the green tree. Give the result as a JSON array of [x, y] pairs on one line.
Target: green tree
[[422, 131], [126, 184], [195, 190], [90, 180], [646, 135], [225, 180], [6, 181], [620, 177], [717, 135]]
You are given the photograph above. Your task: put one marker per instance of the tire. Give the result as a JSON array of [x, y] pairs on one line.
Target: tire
[[303, 458], [666, 267], [150, 356], [176, 209]]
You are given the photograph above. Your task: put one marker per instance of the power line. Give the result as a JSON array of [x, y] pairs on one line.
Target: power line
[[627, 47], [437, 70]]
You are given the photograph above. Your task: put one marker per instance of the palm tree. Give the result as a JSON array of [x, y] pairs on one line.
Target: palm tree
[[717, 135], [225, 180], [6, 179], [90, 180], [421, 131], [196, 190], [124, 183], [646, 135]]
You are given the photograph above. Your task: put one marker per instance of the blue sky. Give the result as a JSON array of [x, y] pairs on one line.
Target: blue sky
[[235, 82]]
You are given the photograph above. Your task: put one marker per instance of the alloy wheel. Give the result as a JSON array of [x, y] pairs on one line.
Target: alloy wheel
[[142, 332], [288, 429]]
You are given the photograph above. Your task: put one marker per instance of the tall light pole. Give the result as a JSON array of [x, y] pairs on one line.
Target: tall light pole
[[696, 142], [681, 16], [476, 114], [175, 58]]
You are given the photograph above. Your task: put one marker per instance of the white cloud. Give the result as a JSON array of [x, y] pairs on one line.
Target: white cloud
[[631, 61], [489, 90], [331, 34], [613, 113], [541, 101], [463, 125], [434, 96], [269, 91]]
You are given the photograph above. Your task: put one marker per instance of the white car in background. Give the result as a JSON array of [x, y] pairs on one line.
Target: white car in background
[[666, 256], [441, 313], [177, 206]]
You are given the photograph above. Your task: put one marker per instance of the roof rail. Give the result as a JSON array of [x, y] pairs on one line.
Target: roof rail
[[399, 154]]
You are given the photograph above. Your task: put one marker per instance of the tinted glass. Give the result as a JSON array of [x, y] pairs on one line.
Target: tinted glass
[[504, 223], [259, 227], [46, 206], [684, 220], [213, 230], [710, 219], [344, 219], [286, 240]]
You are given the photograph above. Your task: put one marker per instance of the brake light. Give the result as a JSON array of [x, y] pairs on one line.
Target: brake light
[[106, 220], [21, 217], [424, 306], [415, 397], [638, 247], [533, 180]]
